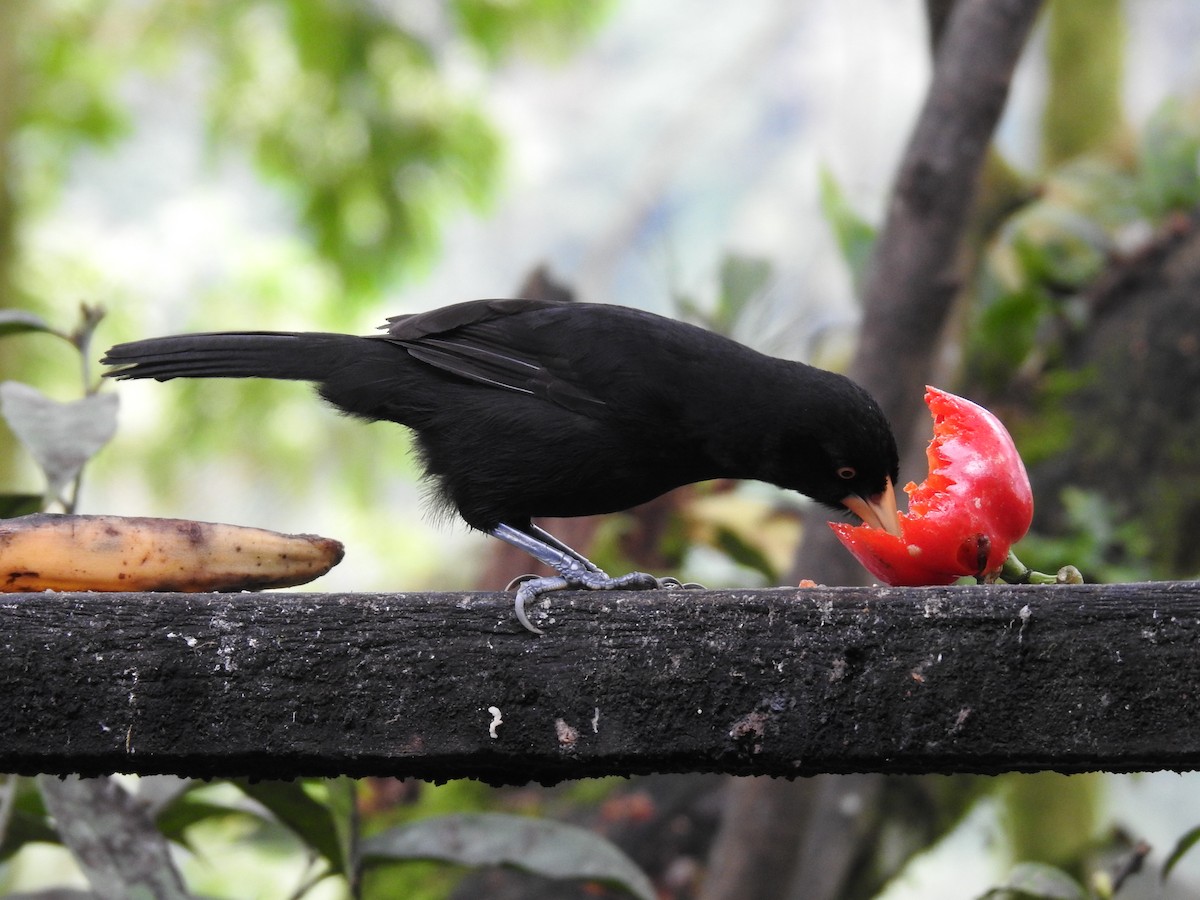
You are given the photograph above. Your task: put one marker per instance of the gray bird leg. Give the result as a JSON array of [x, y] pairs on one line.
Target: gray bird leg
[[573, 568]]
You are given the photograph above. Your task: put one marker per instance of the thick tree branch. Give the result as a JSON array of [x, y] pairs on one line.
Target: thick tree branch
[[777, 682]]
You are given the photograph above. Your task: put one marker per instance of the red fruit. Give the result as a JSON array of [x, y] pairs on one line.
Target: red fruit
[[963, 518]]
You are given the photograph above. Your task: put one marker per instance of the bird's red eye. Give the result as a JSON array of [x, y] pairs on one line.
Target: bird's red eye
[[847, 472]]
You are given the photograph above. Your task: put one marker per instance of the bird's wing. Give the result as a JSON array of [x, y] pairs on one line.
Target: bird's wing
[[485, 341]]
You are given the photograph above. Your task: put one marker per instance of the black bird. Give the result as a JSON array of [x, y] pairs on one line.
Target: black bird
[[527, 408]]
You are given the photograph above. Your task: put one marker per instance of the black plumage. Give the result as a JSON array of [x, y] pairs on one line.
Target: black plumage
[[527, 408]]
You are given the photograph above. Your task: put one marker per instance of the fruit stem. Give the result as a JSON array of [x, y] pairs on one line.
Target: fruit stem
[[1016, 572]]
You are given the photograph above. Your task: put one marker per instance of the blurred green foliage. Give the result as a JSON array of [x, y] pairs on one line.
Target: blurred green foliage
[[1085, 42], [855, 235], [1104, 545], [350, 113], [343, 104], [550, 29], [1052, 248], [1168, 175], [741, 282], [326, 837], [1031, 306], [66, 97], [1050, 818]]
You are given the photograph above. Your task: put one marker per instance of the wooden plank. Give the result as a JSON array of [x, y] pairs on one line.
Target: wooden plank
[[775, 682]]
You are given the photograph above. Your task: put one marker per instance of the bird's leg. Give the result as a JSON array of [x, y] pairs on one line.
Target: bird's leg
[[668, 582], [573, 568], [547, 538]]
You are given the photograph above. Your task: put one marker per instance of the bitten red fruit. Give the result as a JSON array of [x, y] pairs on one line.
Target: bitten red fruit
[[963, 518]]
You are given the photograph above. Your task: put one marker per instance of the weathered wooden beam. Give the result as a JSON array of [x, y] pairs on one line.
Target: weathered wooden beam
[[776, 682]]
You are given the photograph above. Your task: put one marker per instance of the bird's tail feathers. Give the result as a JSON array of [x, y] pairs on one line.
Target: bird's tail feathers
[[297, 356]]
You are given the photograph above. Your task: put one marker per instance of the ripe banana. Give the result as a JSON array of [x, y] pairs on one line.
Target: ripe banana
[[114, 553]]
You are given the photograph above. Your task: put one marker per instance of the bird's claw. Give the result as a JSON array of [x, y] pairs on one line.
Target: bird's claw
[[673, 583], [531, 587], [520, 579]]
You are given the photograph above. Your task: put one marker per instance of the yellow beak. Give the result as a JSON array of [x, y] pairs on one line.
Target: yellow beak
[[878, 511]]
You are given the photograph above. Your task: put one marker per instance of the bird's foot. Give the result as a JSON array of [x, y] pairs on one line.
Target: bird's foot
[[574, 570], [670, 582], [531, 587]]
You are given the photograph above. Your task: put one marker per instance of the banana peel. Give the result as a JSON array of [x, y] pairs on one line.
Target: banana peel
[[48, 552]]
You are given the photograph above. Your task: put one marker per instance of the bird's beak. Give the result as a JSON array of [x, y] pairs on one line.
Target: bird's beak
[[878, 511]]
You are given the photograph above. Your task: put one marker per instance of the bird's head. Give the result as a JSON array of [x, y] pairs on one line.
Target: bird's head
[[862, 479], [859, 462]]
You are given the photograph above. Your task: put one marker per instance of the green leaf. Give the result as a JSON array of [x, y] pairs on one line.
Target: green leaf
[[175, 819], [169, 801], [62, 437], [16, 321], [741, 279], [342, 803], [27, 821], [854, 234], [14, 505], [23, 829], [744, 553], [112, 838], [1182, 846], [178, 807], [312, 822], [688, 308], [1037, 881], [547, 848]]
